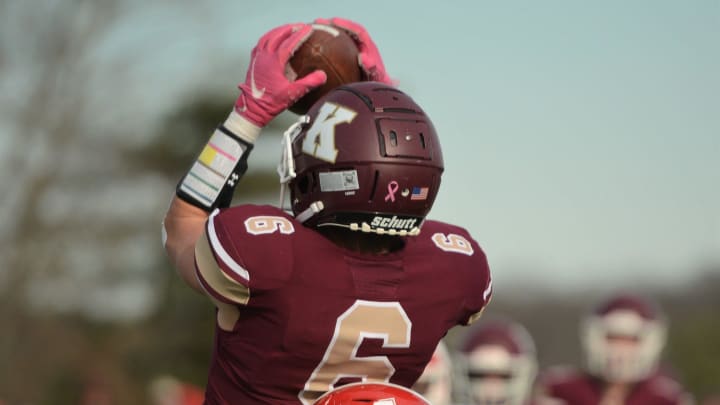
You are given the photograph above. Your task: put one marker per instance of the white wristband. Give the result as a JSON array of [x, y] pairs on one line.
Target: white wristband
[[240, 126]]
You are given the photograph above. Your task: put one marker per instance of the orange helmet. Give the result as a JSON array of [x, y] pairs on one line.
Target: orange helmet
[[371, 394]]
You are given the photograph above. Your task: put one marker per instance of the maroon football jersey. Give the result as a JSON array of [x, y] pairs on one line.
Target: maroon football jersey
[[574, 387], [314, 316]]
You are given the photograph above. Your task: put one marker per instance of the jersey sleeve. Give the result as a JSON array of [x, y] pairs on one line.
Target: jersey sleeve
[[465, 256], [479, 292], [243, 251], [480, 285]]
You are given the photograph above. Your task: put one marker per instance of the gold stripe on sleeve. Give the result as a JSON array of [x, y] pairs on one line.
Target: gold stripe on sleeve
[[215, 277], [474, 317]]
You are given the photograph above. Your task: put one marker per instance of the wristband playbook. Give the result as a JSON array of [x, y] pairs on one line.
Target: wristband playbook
[[212, 179]]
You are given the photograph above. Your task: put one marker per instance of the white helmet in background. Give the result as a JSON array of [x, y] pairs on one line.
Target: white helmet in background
[[623, 339], [435, 383], [501, 363]]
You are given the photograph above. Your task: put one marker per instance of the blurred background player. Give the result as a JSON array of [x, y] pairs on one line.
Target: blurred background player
[[622, 339], [500, 363], [168, 390], [363, 168], [436, 382]]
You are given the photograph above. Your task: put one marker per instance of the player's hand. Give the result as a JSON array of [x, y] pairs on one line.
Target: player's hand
[[370, 60], [266, 91]]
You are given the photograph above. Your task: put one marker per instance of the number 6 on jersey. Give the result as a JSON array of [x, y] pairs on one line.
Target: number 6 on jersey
[[364, 319]]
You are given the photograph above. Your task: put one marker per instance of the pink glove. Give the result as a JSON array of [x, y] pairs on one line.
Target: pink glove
[[266, 91], [370, 59]]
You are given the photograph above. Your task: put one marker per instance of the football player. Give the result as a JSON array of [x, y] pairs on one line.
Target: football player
[[500, 363], [372, 394], [622, 340], [435, 383], [354, 284], [168, 390]]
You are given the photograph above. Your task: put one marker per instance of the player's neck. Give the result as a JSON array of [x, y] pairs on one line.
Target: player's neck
[[361, 242]]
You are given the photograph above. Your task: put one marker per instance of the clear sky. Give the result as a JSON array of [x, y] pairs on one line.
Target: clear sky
[[581, 139]]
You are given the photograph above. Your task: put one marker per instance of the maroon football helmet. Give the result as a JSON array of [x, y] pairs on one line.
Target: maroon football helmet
[[366, 157], [499, 357], [623, 338]]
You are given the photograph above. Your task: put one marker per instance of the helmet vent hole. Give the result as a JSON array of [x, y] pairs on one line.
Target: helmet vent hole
[[374, 186], [393, 138], [422, 140]]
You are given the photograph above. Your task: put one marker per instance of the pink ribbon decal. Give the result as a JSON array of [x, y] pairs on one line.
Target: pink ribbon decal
[[392, 189]]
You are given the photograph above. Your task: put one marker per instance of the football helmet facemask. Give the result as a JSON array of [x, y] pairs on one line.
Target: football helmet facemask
[[366, 157], [501, 363], [623, 338]]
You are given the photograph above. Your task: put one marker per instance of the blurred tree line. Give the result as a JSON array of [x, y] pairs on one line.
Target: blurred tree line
[[88, 303]]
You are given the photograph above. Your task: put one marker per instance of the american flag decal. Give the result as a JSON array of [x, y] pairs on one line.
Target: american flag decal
[[419, 193]]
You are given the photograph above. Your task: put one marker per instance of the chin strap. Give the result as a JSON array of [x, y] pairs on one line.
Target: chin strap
[[313, 209]]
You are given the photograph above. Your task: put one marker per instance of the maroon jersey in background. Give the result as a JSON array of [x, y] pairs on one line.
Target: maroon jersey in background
[[314, 315], [574, 387]]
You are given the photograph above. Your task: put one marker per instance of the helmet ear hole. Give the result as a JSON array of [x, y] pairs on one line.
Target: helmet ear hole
[[303, 185]]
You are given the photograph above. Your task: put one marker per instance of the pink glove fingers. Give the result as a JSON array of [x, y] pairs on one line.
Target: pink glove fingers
[[281, 36], [302, 86], [349, 25], [293, 42], [369, 59], [266, 91], [272, 35]]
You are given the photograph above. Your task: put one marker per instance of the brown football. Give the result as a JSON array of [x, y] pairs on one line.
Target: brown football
[[330, 49]]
